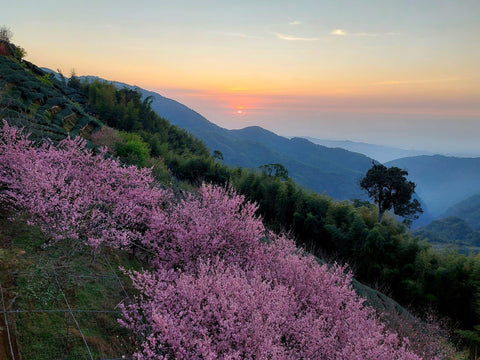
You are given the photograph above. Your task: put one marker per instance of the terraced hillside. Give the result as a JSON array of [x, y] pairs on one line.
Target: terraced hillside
[[35, 99]]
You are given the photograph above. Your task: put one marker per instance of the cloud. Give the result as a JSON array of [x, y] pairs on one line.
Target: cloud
[[294, 23], [342, 32], [294, 38], [338, 32]]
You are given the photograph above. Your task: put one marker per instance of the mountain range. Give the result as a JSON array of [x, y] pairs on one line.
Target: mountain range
[[336, 172], [441, 181], [381, 153]]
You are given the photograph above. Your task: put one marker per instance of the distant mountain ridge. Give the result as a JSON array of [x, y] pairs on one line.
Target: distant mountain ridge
[[380, 153], [336, 172]]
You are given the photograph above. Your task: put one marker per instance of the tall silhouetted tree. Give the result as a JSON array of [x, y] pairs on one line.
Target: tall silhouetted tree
[[390, 189]]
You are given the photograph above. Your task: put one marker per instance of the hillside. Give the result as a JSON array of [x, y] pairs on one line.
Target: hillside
[[335, 172], [442, 181], [198, 252], [468, 209], [451, 230], [45, 105]]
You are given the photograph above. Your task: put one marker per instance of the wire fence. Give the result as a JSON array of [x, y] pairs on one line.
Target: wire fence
[[63, 298], [71, 313], [6, 324]]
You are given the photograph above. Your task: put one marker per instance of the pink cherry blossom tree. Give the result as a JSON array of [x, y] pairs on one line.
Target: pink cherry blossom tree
[[213, 222], [225, 312], [71, 192]]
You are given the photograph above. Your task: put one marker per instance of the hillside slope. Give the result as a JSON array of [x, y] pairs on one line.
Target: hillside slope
[[33, 98], [451, 230], [468, 209]]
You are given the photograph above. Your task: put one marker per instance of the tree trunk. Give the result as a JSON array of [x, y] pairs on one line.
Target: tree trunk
[[380, 214]]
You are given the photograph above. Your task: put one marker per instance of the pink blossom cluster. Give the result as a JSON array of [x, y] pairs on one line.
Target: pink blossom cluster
[[283, 305], [219, 286], [215, 221], [70, 192]]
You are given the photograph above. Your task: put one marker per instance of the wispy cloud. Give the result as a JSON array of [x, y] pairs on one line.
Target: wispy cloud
[[338, 32], [343, 32], [294, 23], [287, 37]]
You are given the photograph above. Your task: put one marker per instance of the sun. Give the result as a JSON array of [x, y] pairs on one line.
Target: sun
[[240, 110]]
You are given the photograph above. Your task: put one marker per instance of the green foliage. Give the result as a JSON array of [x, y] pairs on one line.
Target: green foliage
[[74, 82], [277, 170], [20, 52], [132, 149], [451, 230], [26, 91], [389, 188], [472, 338], [125, 110], [46, 79], [217, 155]]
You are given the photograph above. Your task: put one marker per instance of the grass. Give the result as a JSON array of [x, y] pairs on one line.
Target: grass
[[34, 278]]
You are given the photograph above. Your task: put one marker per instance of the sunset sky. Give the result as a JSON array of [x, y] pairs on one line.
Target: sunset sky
[[404, 73]]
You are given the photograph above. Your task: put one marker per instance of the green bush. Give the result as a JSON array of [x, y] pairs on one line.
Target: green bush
[[133, 149]]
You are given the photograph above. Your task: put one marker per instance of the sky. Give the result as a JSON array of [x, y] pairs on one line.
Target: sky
[[404, 73]]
